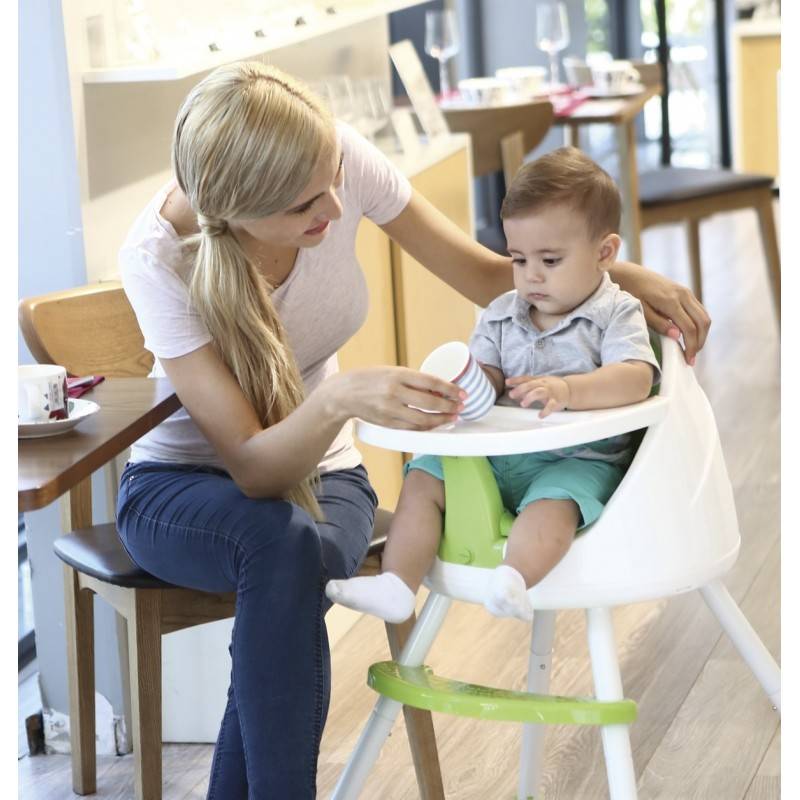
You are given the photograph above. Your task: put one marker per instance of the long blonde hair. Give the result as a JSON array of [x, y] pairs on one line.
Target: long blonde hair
[[247, 140]]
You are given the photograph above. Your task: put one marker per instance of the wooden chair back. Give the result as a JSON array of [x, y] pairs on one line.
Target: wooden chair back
[[89, 330], [501, 135]]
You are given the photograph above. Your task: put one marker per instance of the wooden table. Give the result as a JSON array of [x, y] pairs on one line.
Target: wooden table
[[621, 113], [53, 466]]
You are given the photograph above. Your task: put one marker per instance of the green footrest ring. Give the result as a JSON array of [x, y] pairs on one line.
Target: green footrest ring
[[420, 688]]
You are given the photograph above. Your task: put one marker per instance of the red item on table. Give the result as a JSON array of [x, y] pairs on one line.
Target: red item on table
[[79, 386]]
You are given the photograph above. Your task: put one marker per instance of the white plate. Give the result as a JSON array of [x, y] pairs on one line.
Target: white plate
[[79, 410], [628, 91]]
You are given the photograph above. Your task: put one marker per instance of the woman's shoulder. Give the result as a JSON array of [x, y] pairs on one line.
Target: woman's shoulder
[[154, 241]]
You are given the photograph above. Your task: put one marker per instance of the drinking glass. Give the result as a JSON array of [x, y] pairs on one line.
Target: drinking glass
[[441, 42], [372, 106], [552, 33]]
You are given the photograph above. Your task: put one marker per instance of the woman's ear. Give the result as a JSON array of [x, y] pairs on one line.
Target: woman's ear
[[608, 251]]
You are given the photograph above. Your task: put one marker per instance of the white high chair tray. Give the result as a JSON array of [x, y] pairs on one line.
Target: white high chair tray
[[506, 430]]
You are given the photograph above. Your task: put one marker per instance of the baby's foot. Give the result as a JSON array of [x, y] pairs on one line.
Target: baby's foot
[[506, 594], [385, 596]]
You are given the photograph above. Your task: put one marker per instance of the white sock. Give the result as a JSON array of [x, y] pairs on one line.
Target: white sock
[[507, 595], [385, 596]]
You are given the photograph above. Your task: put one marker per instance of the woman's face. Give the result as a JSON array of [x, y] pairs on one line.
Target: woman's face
[[306, 221]]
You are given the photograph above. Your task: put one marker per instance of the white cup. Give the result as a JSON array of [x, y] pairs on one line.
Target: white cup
[[578, 72], [524, 81], [41, 393], [484, 91], [615, 76], [454, 363]]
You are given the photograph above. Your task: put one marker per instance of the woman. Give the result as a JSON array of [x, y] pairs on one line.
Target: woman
[[244, 280]]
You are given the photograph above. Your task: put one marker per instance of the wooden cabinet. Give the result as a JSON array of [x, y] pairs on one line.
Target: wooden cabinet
[[411, 311], [757, 61]]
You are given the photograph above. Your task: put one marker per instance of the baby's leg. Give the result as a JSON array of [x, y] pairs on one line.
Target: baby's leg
[[411, 546], [540, 537]]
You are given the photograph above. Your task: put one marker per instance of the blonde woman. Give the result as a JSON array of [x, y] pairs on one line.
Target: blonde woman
[[243, 276]]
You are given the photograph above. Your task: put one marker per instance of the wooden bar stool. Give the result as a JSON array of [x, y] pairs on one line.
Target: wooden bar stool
[[92, 330], [688, 195]]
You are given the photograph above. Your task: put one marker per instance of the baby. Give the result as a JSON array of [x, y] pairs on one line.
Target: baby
[[565, 338]]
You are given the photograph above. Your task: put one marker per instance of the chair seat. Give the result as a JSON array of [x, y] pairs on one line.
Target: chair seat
[[677, 184], [98, 551]]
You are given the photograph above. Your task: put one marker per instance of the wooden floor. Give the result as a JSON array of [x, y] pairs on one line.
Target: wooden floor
[[705, 729]]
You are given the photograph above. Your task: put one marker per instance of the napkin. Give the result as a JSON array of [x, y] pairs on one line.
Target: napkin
[[565, 102], [79, 386]]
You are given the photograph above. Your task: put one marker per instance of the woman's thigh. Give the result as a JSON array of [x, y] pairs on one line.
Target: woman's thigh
[[193, 527]]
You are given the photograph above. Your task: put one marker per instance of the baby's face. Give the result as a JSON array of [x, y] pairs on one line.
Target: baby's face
[[556, 265]]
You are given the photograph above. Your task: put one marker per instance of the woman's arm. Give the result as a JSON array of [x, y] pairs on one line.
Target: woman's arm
[[481, 275], [266, 462], [442, 247]]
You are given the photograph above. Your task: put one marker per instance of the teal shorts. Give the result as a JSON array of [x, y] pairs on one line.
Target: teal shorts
[[524, 479]]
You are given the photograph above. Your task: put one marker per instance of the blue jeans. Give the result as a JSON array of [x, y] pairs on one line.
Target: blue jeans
[[193, 527]]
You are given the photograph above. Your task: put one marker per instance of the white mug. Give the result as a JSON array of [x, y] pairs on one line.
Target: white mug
[[524, 81], [453, 362], [615, 76], [41, 393]]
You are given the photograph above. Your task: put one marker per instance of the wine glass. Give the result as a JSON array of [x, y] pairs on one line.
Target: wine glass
[[552, 33], [441, 42], [372, 106]]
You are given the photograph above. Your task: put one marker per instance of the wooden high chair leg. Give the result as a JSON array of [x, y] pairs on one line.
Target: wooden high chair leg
[[693, 240], [608, 686], [769, 237], [419, 725], [79, 613], [533, 736], [144, 648]]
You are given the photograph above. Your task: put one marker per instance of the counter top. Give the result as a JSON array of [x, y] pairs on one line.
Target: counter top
[[769, 26]]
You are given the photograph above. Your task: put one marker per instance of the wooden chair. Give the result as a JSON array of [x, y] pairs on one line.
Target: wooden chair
[[92, 330], [689, 195], [681, 194], [501, 137]]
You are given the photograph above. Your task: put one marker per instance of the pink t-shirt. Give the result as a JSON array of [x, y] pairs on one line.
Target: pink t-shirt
[[322, 302]]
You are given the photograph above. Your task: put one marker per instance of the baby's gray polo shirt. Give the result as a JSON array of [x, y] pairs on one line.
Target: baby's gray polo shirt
[[607, 328]]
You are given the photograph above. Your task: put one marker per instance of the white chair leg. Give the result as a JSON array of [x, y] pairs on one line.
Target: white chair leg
[[531, 752], [745, 639], [383, 716], [608, 686]]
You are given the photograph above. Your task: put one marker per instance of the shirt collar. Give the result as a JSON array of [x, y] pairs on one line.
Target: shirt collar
[[511, 306]]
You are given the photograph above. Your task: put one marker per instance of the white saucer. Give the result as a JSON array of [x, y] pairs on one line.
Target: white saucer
[[628, 91], [79, 410]]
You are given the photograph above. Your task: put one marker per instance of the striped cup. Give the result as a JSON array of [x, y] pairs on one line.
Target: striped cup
[[453, 362]]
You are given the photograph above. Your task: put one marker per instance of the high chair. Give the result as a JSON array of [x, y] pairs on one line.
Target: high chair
[[669, 528]]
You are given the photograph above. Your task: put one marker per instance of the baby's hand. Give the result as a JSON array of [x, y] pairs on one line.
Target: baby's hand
[[551, 391]]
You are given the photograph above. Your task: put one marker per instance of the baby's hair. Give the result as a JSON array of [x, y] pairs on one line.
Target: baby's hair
[[566, 176]]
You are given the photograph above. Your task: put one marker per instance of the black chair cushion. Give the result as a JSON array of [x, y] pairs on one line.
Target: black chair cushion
[[676, 184], [98, 551]]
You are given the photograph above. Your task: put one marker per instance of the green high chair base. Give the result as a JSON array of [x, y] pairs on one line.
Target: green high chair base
[[421, 688]]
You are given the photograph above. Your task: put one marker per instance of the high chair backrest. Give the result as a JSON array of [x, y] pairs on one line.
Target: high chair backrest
[[89, 330]]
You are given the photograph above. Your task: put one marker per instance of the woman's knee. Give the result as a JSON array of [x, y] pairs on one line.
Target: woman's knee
[[287, 539]]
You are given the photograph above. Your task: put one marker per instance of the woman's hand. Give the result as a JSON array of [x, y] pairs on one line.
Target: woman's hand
[[550, 390], [669, 308], [392, 396]]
